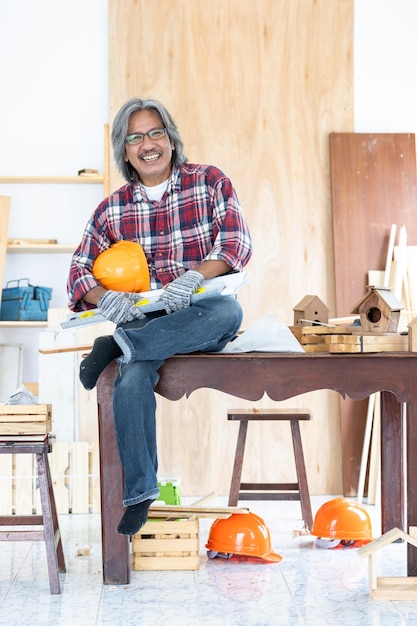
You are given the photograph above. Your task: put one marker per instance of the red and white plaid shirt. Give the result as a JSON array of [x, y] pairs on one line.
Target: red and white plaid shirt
[[199, 218]]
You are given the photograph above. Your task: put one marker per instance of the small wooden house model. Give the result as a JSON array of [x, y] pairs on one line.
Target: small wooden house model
[[309, 311], [389, 588], [379, 311]]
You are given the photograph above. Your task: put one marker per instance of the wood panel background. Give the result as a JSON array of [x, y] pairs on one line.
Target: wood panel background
[[255, 87], [374, 185]]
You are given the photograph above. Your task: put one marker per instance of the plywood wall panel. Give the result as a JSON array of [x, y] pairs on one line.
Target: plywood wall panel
[[374, 185], [255, 87]]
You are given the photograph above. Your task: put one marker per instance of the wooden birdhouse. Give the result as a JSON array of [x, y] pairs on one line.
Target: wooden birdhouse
[[309, 311], [389, 588], [379, 311]]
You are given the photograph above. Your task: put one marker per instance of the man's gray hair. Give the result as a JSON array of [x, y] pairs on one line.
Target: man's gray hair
[[119, 132]]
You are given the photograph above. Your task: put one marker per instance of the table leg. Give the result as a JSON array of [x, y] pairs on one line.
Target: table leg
[[411, 451], [115, 547], [392, 466]]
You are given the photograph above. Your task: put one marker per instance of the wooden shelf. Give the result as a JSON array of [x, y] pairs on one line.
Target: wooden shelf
[[24, 324], [47, 180], [19, 248]]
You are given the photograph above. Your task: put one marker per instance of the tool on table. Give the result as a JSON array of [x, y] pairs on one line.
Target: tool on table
[[150, 303]]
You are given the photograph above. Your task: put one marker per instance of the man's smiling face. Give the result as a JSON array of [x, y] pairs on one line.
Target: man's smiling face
[[151, 158]]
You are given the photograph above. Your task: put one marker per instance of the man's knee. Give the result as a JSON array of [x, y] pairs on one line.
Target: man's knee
[[226, 310], [137, 373]]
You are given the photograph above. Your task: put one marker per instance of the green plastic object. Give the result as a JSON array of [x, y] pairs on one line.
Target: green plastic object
[[169, 491]]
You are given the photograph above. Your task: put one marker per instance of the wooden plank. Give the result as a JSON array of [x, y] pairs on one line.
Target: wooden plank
[[315, 347], [51, 180], [327, 330], [94, 482], [411, 261], [59, 465], [374, 474], [400, 588], [21, 241], [349, 339], [40, 412], [79, 477], [364, 346], [166, 563], [185, 511], [389, 537]]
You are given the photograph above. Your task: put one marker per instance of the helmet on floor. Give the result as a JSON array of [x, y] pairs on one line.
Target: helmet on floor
[[123, 267], [241, 533], [339, 520]]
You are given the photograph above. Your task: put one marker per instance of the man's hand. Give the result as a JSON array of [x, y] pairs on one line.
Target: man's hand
[[119, 307], [177, 294]]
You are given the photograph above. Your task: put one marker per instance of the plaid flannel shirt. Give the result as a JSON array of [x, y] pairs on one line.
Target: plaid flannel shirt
[[199, 218]]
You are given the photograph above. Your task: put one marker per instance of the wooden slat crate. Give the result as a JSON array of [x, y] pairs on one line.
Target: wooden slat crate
[[25, 419], [167, 545], [347, 339]]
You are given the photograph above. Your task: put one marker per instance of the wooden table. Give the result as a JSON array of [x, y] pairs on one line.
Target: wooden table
[[281, 376]]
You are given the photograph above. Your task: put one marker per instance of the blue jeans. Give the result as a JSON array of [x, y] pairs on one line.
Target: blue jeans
[[206, 326]]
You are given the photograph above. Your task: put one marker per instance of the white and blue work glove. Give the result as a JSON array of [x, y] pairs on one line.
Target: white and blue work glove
[[120, 307], [177, 294]]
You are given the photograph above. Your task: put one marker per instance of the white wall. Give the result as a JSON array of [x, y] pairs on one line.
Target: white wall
[[54, 103], [53, 107], [385, 78]]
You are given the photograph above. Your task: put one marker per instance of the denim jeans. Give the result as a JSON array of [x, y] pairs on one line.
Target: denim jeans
[[206, 326]]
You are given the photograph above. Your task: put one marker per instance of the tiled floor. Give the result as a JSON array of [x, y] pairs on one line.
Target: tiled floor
[[310, 586]]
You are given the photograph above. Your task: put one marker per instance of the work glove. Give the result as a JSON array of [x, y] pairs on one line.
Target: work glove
[[178, 293], [119, 307]]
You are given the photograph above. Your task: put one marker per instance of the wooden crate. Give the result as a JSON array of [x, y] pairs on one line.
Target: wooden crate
[[25, 419], [167, 545]]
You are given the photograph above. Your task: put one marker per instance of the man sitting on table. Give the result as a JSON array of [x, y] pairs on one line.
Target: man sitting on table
[[190, 224]]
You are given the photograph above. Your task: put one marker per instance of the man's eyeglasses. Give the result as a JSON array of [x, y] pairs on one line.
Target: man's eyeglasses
[[156, 133]]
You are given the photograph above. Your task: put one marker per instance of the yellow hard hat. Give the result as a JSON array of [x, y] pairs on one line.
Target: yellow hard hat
[[123, 267]]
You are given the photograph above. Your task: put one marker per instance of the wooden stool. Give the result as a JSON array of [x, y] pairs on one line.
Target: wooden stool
[[274, 491], [49, 520]]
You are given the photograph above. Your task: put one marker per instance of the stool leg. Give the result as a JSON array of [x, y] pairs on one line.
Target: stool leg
[[238, 464], [301, 474], [49, 532], [59, 547]]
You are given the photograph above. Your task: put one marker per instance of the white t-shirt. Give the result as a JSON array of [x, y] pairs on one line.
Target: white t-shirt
[[156, 192]]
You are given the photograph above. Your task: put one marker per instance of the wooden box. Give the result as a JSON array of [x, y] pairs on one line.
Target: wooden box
[[167, 545], [25, 419]]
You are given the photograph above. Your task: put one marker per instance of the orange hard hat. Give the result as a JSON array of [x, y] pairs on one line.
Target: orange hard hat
[[123, 267], [342, 519], [241, 533]]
